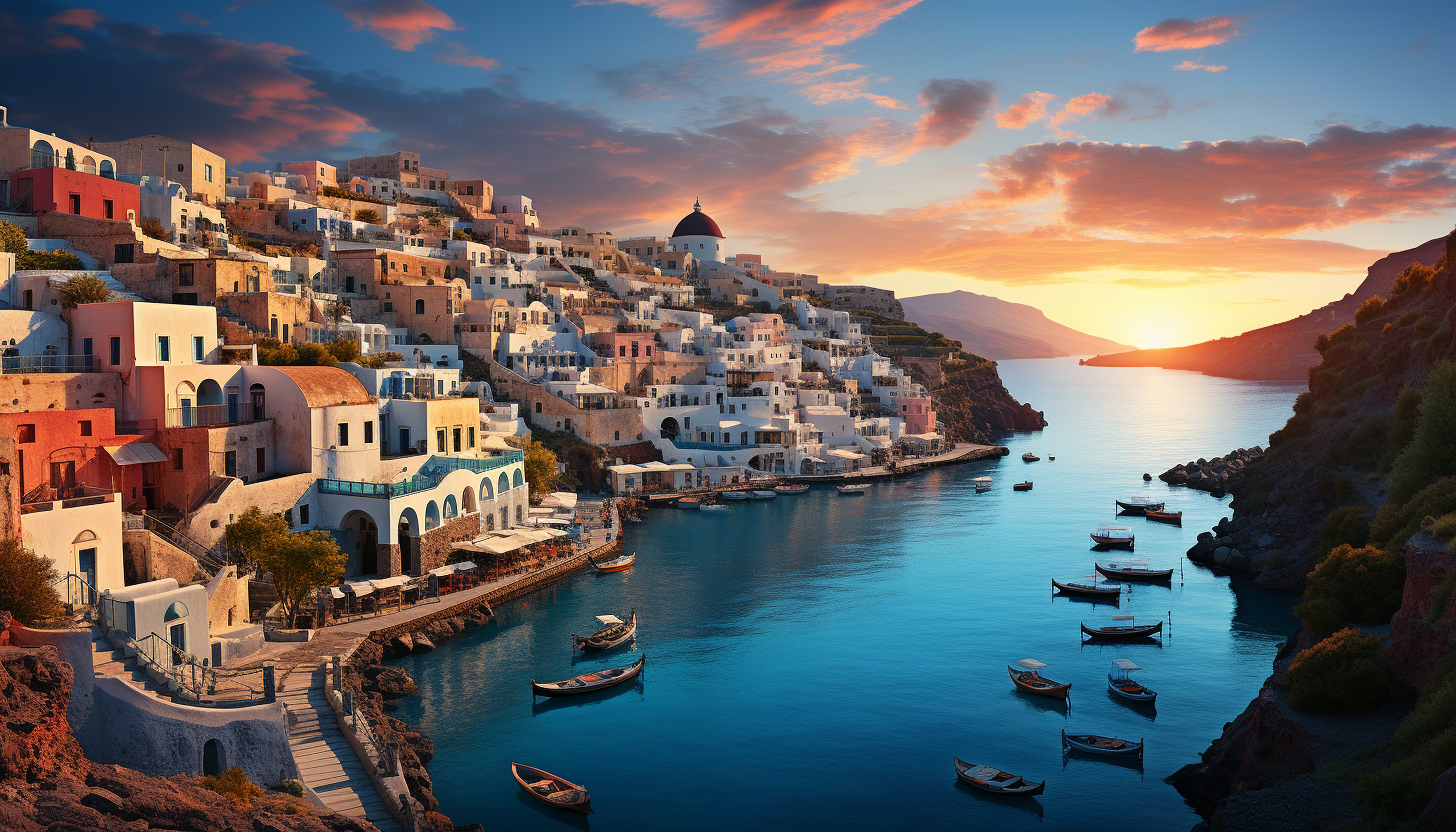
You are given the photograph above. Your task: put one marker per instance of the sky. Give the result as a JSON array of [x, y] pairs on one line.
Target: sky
[[1155, 173]]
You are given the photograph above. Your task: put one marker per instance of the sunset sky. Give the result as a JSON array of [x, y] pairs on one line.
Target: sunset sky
[[1158, 174]]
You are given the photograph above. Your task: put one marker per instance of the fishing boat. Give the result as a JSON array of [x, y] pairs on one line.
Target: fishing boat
[[1120, 682], [1030, 457], [1022, 486], [790, 489], [982, 484], [764, 495], [714, 507], [1138, 505], [1118, 536], [1096, 744], [1134, 570], [621, 564], [689, 502], [554, 791], [736, 495], [1105, 591], [996, 781], [589, 682], [1122, 629], [1030, 680], [853, 490], [1173, 517], [614, 631], [1051, 458]]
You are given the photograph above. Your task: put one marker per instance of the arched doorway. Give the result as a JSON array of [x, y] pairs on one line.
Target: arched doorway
[[467, 500], [409, 541], [432, 516], [255, 394], [212, 758], [451, 512], [669, 429], [361, 542]]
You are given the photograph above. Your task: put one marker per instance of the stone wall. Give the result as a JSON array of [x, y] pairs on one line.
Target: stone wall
[[543, 410], [99, 238], [150, 558], [437, 544], [1424, 628], [227, 600], [59, 391]]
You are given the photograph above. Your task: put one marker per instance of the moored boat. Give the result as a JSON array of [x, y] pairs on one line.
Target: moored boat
[[853, 490], [620, 564], [614, 631], [1030, 457], [588, 682], [996, 781], [1097, 744], [1134, 570], [1120, 682], [736, 495], [1022, 486], [689, 502], [764, 495], [790, 489], [1106, 591], [1030, 680], [557, 792], [1138, 505], [982, 484], [1173, 517], [714, 507], [1122, 629], [1118, 536]]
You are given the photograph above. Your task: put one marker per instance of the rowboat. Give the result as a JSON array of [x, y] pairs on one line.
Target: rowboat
[[1122, 629], [614, 631], [689, 502], [1030, 457], [714, 507], [1022, 486], [1120, 682], [1138, 505], [736, 495], [790, 489], [620, 564], [1108, 591], [1095, 744], [982, 484], [995, 781], [1051, 459], [1134, 570], [853, 490], [588, 682], [1119, 536], [1032, 682], [1174, 517], [764, 495], [554, 791]]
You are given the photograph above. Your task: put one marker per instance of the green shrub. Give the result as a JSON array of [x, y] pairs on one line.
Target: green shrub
[[12, 239], [1352, 586], [1426, 743], [84, 288], [27, 584], [1344, 674], [1341, 334], [315, 355], [1344, 527], [43, 260], [1425, 326], [1370, 310], [1344, 488], [1413, 279], [1445, 527], [1432, 451], [1406, 320], [1402, 425], [1396, 522], [293, 787], [234, 785]]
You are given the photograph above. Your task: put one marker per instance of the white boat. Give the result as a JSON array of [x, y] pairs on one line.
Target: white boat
[[764, 495], [714, 507], [1120, 682], [982, 484], [852, 490], [736, 495]]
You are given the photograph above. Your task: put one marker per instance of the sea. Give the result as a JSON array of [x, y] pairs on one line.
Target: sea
[[816, 661]]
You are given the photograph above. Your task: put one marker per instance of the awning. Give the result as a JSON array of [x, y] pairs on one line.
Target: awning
[[843, 454], [360, 588], [495, 545], [136, 453], [655, 466], [553, 521], [337, 593], [496, 442], [728, 423], [560, 499], [389, 583], [441, 572]]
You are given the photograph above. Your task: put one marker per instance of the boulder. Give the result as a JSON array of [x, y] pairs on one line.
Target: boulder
[[390, 682], [422, 643], [402, 643]]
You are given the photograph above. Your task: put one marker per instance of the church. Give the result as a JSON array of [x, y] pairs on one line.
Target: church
[[698, 235]]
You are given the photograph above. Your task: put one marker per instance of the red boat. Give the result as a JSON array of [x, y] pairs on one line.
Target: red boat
[[1173, 517], [1118, 536], [621, 564], [1030, 681]]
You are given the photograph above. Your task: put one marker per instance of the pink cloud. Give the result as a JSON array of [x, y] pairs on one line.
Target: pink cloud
[[954, 109], [1182, 33], [1030, 107], [80, 18], [405, 24], [1187, 66], [460, 55], [65, 42]]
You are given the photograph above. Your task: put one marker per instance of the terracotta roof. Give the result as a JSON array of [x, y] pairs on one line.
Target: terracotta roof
[[327, 386]]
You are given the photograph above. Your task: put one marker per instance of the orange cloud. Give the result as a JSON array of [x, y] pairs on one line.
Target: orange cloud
[[460, 55], [1030, 107], [405, 24], [81, 18], [1182, 33], [1190, 65]]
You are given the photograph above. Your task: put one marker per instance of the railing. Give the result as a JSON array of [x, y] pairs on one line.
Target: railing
[[431, 474], [78, 592], [213, 559], [55, 160], [72, 497], [50, 364], [210, 415], [709, 446], [197, 682], [135, 427]]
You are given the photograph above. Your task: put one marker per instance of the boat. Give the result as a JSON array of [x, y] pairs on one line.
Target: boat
[[853, 490], [1122, 629], [1030, 680], [714, 507], [589, 682], [620, 564], [1030, 457], [614, 631], [982, 484], [1096, 744], [689, 502], [790, 489], [764, 495], [1051, 458], [1022, 486], [1109, 591], [1120, 683], [996, 781], [736, 495], [554, 791], [1119, 536], [1138, 505], [1134, 570], [1174, 517]]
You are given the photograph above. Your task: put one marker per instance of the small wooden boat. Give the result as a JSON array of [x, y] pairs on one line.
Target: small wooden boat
[[1122, 629], [614, 631], [1031, 681], [1137, 505], [736, 495], [1134, 570], [554, 791], [621, 564], [764, 495], [790, 489], [1030, 457], [1051, 458], [995, 781], [1022, 486], [1108, 591], [1118, 536], [853, 490], [689, 502], [1120, 682], [588, 682], [982, 484], [714, 507], [1173, 517], [1095, 744]]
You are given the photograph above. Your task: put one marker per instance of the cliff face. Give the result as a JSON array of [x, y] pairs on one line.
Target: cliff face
[[974, 404], [1424, 629]]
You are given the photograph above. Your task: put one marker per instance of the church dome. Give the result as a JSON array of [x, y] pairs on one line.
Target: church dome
[[697, 224]]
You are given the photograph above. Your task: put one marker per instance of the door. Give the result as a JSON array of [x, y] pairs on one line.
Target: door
[[349, 284], [75, 203], [86, 565], [186, 413], [63, 476], [261, 460], [177, 637], [404, 443], [86, 351], [232, 408], [115, 351], [230, 463]]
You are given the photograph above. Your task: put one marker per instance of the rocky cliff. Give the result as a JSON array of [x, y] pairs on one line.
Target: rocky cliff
[[974, 405]]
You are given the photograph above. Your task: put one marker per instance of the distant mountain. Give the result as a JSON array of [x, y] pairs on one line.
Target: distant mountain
[[1283, 351], [994, 328]]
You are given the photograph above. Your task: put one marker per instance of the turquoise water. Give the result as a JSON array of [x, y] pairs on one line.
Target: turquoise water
[[815, 661]]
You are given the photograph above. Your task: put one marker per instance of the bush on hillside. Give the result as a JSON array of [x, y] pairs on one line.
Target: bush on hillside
[[1352, 586], [1344, 674], [1345, 526], [84, 288], [1370, 310], [47, 260], [1396, 522], [1412, 280], [233, 784], [1431, 453], [12, 239], [1402, 426], [315, 355], [26, 584], [1426, 743]]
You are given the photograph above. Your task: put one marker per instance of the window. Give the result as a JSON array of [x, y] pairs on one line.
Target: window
[[260, 461], [440, 440], [419, 307], [85, 427], [164, 348], [230, 463], [303, 514], [622, 351], [177, 459], [108, 209], [115, 350], [538, 407], [180, 167], [207, 172], [288, 517], [75, 203], [343, 434], [616, 434], [184, 274], [470, 437], [456, 438], [369, 433], [27, 434], [199, 351]]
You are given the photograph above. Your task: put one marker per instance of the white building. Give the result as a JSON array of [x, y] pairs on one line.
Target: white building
[[698, 235]]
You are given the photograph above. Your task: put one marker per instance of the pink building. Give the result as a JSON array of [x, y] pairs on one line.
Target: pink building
[[319, 174], [918, 413], [46, 189]]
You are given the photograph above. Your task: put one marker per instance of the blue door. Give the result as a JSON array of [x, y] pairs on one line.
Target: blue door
[[232, 403], [186, 413], [86, 565]]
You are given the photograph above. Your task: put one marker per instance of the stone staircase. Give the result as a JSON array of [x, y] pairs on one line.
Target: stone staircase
[[112, 661]]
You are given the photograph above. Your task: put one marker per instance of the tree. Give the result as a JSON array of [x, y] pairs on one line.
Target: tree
[[58, 260], [84, 288], [1344, 674], [368, 215], [540, 468], [315, 355], [252, 532], [152, 227], [337, 311], [26, 584], [300, 563], [1431, 454], [345, 349], [1352, 585], [12, 239]]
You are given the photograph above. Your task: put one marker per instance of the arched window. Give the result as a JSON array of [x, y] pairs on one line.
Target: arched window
[[502, 485], [42, 155], [107, 170], [485, 492], [518, 480], [255, 393], [420, 307]]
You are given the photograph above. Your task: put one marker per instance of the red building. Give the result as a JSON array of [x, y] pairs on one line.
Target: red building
[[47, 189]]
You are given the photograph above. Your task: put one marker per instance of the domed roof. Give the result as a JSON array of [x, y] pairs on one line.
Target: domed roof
[[697, 224]]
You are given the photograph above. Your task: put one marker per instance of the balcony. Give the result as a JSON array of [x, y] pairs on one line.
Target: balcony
[[431, 474], [214, 415], [14, 364], [52, 160], [50, 499]]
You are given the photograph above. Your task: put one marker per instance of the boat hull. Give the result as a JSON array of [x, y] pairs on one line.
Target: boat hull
[[1144, 575], [598, 643], [790, 489], [632, 672], [1147, 697], [1122, 633], [1087, 744], [1021, 486], [1052, 690], [1174, 518], [525, 775], [1087, 592], [615, 565], [1024, 787], [1137, 508], [1113, 542]]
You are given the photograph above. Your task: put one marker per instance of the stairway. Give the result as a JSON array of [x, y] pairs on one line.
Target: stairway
[[110, 661]]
